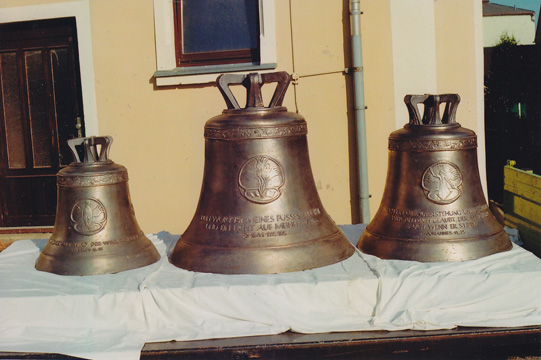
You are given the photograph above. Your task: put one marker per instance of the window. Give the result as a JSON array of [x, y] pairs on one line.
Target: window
[[197, 39], [216, 32]]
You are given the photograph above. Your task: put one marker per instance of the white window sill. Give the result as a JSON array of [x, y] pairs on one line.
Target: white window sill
[[203, 74]]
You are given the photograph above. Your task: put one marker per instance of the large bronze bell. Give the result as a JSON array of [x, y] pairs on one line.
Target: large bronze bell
[[433, 207], [95, 230], [259, 211]]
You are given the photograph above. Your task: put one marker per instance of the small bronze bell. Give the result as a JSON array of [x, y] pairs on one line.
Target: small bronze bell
[[433, 207], [259, 211], [95, 230]]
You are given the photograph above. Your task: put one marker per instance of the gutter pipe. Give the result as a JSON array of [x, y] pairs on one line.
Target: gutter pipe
[[360, 121]]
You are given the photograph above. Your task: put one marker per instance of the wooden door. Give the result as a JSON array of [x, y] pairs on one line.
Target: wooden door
[[40, 109]]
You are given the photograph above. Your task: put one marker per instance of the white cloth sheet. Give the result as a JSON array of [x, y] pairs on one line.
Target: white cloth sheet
[[501, 290], [112, 316]]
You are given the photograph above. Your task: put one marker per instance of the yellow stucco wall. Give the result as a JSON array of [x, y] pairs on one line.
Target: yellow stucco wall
[[459, 59], [158, 131], [379, 81]]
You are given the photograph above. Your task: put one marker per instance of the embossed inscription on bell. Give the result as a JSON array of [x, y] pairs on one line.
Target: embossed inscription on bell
[[259, 211], [95, 228], [433, 207]]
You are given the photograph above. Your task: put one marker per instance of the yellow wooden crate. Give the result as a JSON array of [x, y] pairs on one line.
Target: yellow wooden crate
[[522, 205]]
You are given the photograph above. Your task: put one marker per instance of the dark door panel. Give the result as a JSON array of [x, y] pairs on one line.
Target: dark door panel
[[32, 200], [41, 104]]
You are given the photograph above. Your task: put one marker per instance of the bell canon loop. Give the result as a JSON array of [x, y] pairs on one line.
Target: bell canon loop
[[95, 229], [433, 207], [259, 211]]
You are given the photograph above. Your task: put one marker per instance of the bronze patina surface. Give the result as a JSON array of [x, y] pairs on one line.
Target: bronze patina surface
[[259, 211], [433, 207], [95, 229]]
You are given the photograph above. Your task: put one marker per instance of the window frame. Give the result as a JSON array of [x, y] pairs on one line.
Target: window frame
[[168, 73], [238, 56]]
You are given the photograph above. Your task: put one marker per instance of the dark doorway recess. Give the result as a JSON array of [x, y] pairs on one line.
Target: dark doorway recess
[[40, 109]]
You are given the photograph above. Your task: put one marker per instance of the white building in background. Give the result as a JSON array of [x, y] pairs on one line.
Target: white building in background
[[500, 19]]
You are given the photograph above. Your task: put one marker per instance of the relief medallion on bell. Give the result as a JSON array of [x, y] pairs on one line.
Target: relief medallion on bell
[[88, 216], [442, 182], [260, 179]]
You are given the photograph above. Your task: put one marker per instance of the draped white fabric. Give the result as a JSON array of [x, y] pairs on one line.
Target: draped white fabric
[[112, 316]]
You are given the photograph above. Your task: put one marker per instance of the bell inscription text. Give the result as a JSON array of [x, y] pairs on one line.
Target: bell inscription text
[[444, 222], [261, 226], [92, 246]]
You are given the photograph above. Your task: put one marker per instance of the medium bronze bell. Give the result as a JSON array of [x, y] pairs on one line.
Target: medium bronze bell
[[433, 207], [259, 211], [95, 230]]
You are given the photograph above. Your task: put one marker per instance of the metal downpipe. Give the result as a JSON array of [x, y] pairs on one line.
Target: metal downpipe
[[360, 122]]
